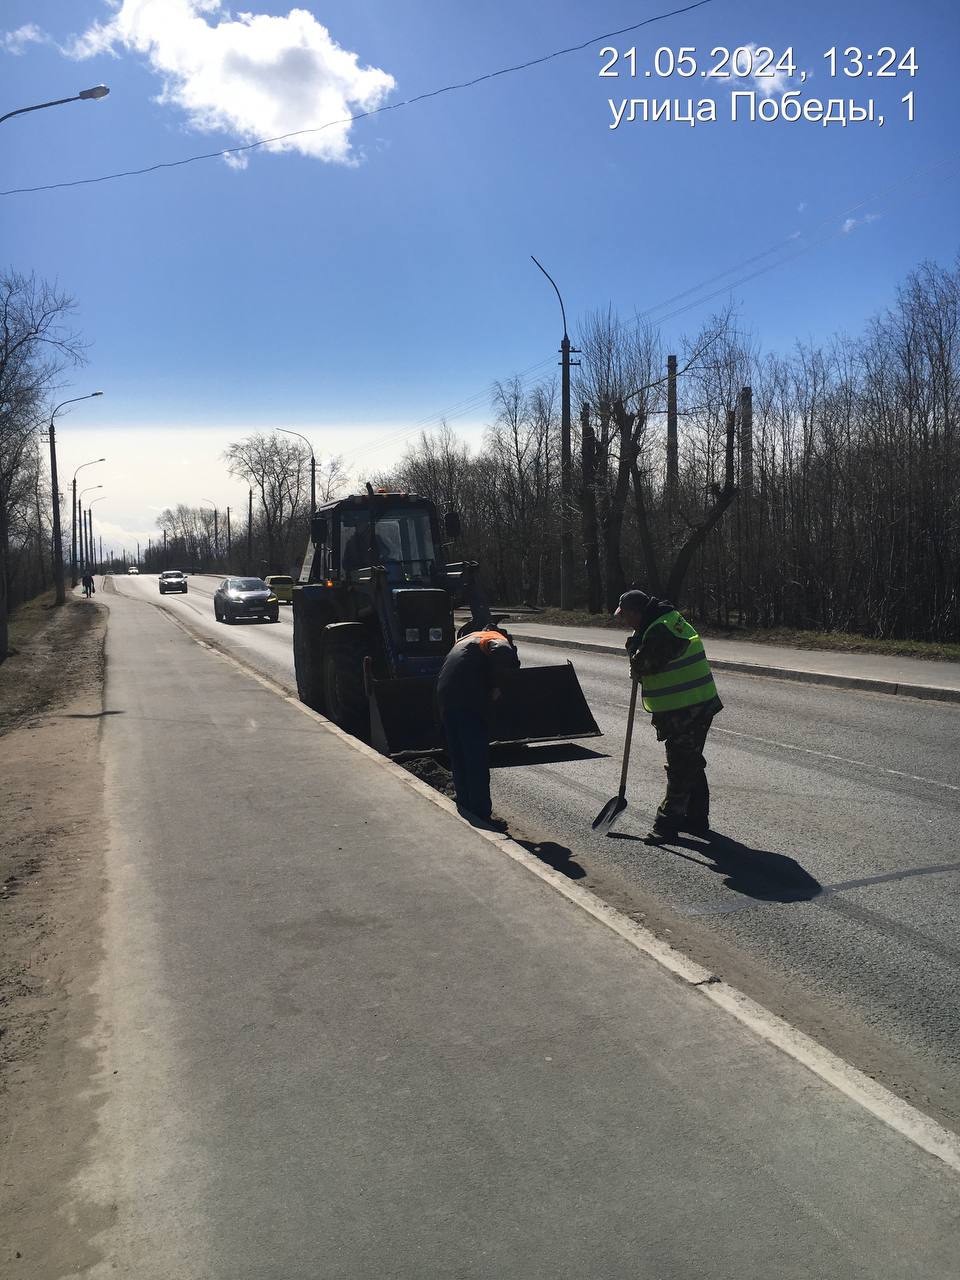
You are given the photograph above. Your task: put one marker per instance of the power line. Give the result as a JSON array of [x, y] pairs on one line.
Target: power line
[[831, 222], [361, 115]]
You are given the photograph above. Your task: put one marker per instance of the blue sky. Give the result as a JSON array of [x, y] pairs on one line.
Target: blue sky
[[381, 275]]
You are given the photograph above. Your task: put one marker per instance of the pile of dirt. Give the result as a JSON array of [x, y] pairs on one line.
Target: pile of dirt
[[433, 773]]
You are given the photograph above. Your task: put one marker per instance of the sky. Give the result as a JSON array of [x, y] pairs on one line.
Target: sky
[[360, 282]]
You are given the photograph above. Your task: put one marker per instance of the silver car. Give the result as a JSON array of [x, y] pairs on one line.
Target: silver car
[[245, 598], [173, 580]]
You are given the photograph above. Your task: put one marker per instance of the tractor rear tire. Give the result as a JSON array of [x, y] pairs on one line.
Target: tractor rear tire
[[344, 696]]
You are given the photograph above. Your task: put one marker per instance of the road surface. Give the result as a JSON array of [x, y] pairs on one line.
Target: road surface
[[340, 1033], [834, 898]]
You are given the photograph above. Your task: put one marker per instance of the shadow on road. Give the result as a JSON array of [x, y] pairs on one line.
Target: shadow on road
[[89, 715], [554, 855], [760, 874], [548, 753]]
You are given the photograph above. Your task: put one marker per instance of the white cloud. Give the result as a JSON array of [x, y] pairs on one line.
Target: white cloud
[[17, 41], [801, 206], [250, 75], [850, 224]]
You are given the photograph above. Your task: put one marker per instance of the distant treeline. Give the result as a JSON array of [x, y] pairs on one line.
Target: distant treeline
[[826, 495], [817, 489]]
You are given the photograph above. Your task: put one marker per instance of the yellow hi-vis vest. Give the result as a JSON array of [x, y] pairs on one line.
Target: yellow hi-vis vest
[[684, 682]]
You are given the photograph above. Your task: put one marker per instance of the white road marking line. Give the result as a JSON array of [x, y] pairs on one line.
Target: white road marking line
[[825, 755], [885, 1106]]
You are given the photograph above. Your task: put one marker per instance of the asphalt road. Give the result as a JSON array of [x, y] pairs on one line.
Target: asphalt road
[[834, 897]]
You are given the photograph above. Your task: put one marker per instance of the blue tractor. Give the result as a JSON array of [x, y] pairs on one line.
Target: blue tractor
[[373, 619]]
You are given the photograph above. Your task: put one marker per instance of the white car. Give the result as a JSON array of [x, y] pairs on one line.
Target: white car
[[132, 569]]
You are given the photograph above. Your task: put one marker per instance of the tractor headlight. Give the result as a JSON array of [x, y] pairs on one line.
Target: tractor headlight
[[412, 635], [436, 634]]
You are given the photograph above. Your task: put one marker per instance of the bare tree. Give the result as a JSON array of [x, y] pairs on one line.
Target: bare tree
[[36, 346], [277, 469]]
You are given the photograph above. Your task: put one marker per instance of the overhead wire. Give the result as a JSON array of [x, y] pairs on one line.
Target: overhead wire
[[360, 115]]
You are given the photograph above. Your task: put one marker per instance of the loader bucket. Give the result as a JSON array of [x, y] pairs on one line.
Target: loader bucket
[[538, 704], [542, 704], [403, 717]]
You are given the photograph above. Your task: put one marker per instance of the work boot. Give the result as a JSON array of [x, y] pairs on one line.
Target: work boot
[[696, 827], [664, 828], [493, 824]]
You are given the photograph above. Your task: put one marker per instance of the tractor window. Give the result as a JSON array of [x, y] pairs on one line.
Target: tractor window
[[404, 542]]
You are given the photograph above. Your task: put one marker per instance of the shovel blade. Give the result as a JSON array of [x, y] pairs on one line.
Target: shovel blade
[[610, 812]]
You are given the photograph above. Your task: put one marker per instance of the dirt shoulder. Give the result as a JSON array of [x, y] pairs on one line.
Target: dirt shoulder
[[51, 899]]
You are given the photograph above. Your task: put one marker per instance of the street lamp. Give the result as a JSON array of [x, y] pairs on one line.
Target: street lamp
[[84, 540], [98, 91], [313, 467], [216, 526], [566, 469], [58, 577], [91, 543], [73, 538]]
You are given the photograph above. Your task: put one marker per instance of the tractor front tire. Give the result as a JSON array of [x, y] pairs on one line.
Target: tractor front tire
[[308, 672], [346, 701]]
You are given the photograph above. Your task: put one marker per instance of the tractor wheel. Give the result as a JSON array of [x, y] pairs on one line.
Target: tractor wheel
[[308, 672], [343, 692]]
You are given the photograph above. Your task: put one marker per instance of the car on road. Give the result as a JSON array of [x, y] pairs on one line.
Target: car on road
[[245, 598], [132, 568], [173, 580], [281, 584]]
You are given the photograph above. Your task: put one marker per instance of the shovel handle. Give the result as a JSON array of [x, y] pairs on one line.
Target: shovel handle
[[629, 738]]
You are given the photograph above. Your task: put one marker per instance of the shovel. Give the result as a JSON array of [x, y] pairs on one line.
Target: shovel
[[612, 810]]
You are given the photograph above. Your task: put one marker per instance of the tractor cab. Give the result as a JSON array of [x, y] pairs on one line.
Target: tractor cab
[[396, 533]]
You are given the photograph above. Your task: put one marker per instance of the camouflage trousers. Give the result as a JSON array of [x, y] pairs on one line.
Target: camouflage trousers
[[687, 795]]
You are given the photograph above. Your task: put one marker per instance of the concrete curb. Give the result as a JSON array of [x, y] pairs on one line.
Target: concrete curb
[[862, 683]]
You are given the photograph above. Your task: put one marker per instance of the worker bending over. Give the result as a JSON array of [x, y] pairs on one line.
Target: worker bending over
[[468, 685], [677, 686]]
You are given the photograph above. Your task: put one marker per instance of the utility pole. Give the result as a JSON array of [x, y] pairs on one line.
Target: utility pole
[[566, 466], [101, 553], [249, 530], [164, 565], [673, 465], [58, 576], [746, 441], [73, 536], [138, 554], [90, 546], [229, 543]]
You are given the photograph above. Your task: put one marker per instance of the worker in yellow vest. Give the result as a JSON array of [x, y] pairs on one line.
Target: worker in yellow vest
[[677, 687]]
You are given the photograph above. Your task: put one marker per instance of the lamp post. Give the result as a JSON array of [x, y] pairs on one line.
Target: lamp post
[[91, 541], [216, 526], [566, 470], [313, 467], [85, 95], [58, 575], [73, 539], [84, 540]]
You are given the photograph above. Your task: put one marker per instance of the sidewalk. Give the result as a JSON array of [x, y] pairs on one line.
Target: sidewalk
[[345, 1035], [913, 677]]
